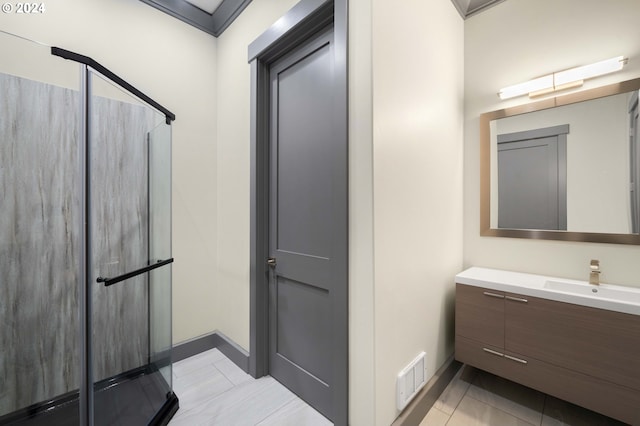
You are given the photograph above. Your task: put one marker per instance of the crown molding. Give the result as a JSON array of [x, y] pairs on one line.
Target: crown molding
[[468, 8]]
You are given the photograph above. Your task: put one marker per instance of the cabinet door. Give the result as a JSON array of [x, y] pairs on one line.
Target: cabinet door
[[480, 315], [596, 342]]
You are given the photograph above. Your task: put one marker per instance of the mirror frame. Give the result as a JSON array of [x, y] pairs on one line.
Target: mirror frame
[[485, 168]]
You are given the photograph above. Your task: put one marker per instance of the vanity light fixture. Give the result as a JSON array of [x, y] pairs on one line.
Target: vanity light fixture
[[562, 80]]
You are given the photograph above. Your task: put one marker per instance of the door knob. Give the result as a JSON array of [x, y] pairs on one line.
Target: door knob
[[271, 262]]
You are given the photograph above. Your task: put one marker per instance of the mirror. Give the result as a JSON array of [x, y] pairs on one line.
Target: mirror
[[563, 168]]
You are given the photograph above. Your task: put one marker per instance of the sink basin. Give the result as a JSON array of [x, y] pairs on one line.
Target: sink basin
[[605, 296], [604, 291]]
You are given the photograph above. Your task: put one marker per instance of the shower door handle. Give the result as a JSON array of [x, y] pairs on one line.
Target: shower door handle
[[111, 281]]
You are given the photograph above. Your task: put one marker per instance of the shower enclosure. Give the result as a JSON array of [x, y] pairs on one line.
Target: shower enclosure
[[85, 243]]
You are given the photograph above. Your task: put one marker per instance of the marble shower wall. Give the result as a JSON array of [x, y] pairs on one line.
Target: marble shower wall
[[39, 209], [39, 229]]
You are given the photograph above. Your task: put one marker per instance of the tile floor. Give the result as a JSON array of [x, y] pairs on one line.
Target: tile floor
[[214, 391], [477, 398]]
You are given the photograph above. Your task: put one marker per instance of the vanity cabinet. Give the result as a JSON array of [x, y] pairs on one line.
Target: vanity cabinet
[[585, 355]]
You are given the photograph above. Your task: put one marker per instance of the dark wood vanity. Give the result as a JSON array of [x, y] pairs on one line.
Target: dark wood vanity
[[584, 355]]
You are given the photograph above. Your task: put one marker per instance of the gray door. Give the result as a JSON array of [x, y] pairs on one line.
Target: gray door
[[532, 179], [308, 222]]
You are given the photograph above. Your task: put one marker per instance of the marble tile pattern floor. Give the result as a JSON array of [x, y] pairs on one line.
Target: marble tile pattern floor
[[214, 391], [478, 398]]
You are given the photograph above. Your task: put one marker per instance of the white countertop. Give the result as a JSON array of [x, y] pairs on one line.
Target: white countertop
[[610, 297]]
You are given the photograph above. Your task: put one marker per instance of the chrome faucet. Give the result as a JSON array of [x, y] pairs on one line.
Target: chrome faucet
[[594, 275]]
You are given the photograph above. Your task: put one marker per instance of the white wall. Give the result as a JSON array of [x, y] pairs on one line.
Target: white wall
[[417, 178], [173, 63], [362, 377], [515, 41]]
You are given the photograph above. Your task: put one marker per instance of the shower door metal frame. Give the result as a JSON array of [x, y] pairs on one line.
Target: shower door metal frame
[[84, 293]]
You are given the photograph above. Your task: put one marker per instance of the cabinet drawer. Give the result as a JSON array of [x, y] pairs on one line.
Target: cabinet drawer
[[596, 342], [477, 355], [480, 314], [613, 400]]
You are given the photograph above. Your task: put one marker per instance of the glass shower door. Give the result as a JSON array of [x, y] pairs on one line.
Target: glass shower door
[[160, 339], [129, 215]]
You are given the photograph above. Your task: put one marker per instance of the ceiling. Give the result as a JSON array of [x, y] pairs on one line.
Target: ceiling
[[208, 6], [469, 8], [211, 16]]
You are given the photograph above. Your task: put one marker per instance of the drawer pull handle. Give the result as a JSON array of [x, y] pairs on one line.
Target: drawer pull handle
[[513, 358], [499, 296], [492, 352], [517, 299]]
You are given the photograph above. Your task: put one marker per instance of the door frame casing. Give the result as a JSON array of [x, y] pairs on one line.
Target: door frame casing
[[300, 23]]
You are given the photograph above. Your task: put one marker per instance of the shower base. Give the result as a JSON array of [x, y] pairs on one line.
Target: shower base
[[129, 399]]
